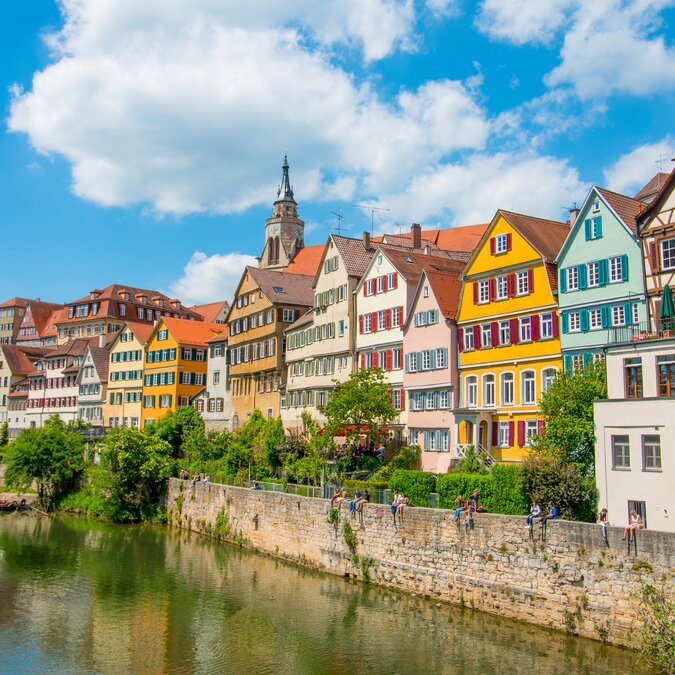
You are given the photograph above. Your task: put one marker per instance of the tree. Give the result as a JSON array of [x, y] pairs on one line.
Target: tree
[[176, 428], [4, 434], [568, 411], [52, 456], [362, 404]]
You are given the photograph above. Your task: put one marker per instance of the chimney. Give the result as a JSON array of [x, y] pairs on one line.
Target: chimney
[[366, 240], [574, 214], [416, 235], [101, 340]]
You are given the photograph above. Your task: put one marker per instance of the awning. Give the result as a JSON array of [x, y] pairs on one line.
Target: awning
[[667, 305]]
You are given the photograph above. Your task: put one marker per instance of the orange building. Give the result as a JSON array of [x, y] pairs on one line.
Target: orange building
[[175, 365]]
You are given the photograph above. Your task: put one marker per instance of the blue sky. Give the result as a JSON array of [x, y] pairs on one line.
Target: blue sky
[[143, 142]]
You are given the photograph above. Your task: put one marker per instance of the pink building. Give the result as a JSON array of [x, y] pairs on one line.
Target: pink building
[[430, 374]]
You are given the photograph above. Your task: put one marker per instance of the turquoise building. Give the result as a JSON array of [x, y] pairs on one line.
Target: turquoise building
[[600, 277]]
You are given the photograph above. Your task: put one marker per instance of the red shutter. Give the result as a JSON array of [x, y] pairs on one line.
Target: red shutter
[[511, 425], [494, 333], [475, 292], [402, 399], [373, 322], [530, 280], [511, 284], [495, 433], [385, 282], [492, 289], [395, 280], [521, 433], [460, 339], [508, 241], [361, 324], [653, 257], [493, 245], [534, 320], [363, 360], [365, 287], [514, 331], [540, 427], [387, 318], [376, 360], [554, 322], [387, 359], [400, 315], [476, 337]]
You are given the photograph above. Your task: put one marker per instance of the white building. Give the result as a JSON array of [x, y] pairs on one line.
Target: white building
[[92, 381], [635, 432], [214, 402]]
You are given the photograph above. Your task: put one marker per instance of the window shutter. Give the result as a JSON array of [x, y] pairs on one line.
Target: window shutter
[[605, 315], [376, 360], [387, 318], [603, 272], [514, 331], [540, 426], [361, 323], [584, 320], [385, 282], [588, 358], [508, 241], [598, 227], [653, 256], [495, 433], [511, 284], [534, 323], [365, 286], [581, 271], [563, 280], [402, 399], [373, 322], [521, 433], [400, 315], [564, 320], [493, 245], [587, 228], [624, 267], [460, 339], [387, 360], [395, 285], [511, 429], [476, 337], [475, 292], [492, 288], [432, 359], [494, 333], [363, 360], [530, 280], [628, 313]]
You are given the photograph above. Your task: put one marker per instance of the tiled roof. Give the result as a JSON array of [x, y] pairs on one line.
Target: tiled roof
[[186, 332], [18, 362], [56, 316], [354, 254], [211, 311], [306, 260], [16, 302], [284, 288], [447, 288], [142, 331], [222, 336], [101, 358], [410, 265], [74, 347], [547, 236], [655, 203], [626, 208], [652, 188], [302, 321], [461, 238]]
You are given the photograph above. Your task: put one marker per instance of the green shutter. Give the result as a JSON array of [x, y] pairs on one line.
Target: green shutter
[[584, 320], [628, 313], [624, 267], [587, 227], [598, 227], [606, 316], [603, 274], [567, 362], [581, 271], [564, 321], [563, 280]]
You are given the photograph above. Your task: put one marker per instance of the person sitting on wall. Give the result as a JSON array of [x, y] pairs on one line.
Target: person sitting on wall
[[535, 511], [468, 518], [364, 500], [634, 523], [399, 509], [205, 479], [255, 485], [195, 479], [355, 501], [394, 504], [551, 514], [335, 496]]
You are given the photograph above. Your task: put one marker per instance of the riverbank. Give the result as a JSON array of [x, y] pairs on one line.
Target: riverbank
[[571, 581]]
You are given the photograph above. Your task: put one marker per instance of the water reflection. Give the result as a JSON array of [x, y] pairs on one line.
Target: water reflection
[[83, 596]]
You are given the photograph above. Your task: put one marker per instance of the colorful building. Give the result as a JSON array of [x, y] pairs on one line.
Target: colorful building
[[601, 284], [214, 402], [508, 334], [176, 356]]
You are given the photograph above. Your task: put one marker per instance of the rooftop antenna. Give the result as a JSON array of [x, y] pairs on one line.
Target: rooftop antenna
[[660, 162], [372, 210], [339, 216]]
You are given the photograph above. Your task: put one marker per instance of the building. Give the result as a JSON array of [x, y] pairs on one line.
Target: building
[[214, 312], [383, 298], [15, 364], [431, 376], [125, 377], [635, 431], [16, 409], [601, 282], [107, 310], [656, 224], [175, 365], [11, 313], [214, 401], [92, 383], [508, 333]]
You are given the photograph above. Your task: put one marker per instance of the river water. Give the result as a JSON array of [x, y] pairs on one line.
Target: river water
[[80, 596]]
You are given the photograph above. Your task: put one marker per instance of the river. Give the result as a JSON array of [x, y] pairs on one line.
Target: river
[[80, 596]]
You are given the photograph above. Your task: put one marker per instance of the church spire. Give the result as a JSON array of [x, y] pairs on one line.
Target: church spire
[[285, 191]]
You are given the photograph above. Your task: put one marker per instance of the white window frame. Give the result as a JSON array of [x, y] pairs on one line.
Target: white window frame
[[489, 394], [503, 434], [502, 287], [593, 274], [594, 319], [667, 250], [471, 391], [618, 315], [468, 338], [574, 322], [546, 325], [500, 243], [507, 388], [483, 292], [572, 278], [528, 387], [522, 283], [615, 269], [525, 329]]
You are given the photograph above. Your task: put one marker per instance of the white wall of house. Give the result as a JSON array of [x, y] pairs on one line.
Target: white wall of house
[[91, 393], [216, 406]]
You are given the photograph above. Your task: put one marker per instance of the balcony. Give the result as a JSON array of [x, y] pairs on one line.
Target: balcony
[[657, 329]]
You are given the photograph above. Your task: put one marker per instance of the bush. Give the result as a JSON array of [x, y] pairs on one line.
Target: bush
[[657, 638], [450, 485], [417, 485], [351, 485], [83, 502], [405, 458], [546, 479], [507, 492]]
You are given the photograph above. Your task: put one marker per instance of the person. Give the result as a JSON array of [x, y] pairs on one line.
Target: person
[[458, 510], [603, 521], [195, 479], [205, 479], [255, 485], [355, 501], [535, 510], [551, 514], [470, 510], [342, 497], [399, 508], [364, 500], [394, 504], [380, 452], [634, 523], [474, 498], [335, 496]]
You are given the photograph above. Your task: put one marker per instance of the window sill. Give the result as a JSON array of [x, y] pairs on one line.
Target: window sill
[[621, 468], [649, 470]]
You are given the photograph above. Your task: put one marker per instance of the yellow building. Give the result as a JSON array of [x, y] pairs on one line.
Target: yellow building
[[125, 376], [175, 365], [508, 333]]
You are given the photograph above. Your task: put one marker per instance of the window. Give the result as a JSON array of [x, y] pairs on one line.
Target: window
[[594, 319], [525, 329], [615, 269], [528, 392], [501, 243], [468, 338], [507, 388], [635, 311], [620, 452], [546, 325], [572, 278], [486, 335], [367, 328], [216, 377], [548, 376], [426, 291], [574, 322], [342, 292], [593, 272], [471, 391], [122, 309], [577, 363], [441, 357], [395, 359], [483, 291], [341, 328], [163, 334], [523, 282], [488, 390], [505, 332], [665, 366], [380, 284], [380, 319], [618, 315], [396, 399], [651, 453], [531, 431], [288, 315], [502, 287], [633, 377], [668, 254], [595, 226], [503, 439], [396, 316]]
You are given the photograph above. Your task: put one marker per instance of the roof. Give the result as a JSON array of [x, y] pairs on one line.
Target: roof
[[74, 347], [460, 238], [17, 360], [658, 199], [142, 331], [625, 207], [210, 311], [547, 236], [16, 302], [283, 288], [354, 254], [306, 318], [101, 358], [652, 188], [306, 260], [56, 316], [38, 316], [223, 336], [410, 265], [447, 288], [187, 332]]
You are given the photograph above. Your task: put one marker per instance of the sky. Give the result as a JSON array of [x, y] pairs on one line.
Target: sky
[[142, 142]]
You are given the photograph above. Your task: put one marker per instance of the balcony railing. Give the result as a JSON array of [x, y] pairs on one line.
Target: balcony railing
[[657, 329]]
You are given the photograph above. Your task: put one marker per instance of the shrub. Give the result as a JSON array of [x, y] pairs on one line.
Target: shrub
[[507, 492], [657, 644], [417, 485], [450, 485], [405, 458], [351, 486]]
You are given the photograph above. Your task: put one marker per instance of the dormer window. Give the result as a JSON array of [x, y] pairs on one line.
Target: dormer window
[[596, 206]]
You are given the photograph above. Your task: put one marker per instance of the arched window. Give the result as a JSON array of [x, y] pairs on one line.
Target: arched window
[[548, 377], [507, 388], [528, 388], [471, 392], [488, 390]]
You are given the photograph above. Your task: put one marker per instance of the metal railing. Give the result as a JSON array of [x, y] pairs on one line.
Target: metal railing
[[483, 454], [657, 329]]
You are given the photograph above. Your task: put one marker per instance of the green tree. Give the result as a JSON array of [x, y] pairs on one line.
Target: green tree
[[362, 404], [52, 456], [4, 434], [567, 407], [657, 644], [176, 428]]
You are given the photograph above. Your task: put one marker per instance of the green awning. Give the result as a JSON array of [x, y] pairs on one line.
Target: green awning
[[667, 305]]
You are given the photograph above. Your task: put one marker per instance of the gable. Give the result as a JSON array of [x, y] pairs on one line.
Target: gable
[[662, 216]]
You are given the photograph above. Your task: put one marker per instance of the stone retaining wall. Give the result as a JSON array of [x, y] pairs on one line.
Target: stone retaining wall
[[572, 581]]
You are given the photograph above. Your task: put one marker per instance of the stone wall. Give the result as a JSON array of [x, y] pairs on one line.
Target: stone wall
[[571, 581]]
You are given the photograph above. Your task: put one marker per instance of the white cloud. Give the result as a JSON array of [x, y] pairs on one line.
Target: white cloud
[[635, 169], [210, 278]]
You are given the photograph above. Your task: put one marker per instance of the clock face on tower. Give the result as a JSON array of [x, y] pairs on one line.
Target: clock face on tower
[[274, 230]]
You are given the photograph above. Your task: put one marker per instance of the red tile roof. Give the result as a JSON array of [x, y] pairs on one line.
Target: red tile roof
[[210, 311], [186, 332], [447, 288], [306, 261], [626, 208], [655, 204], [142, 331], [547, 236], [17, 360], [652, 188], [101, 358], [283, 288], [16, 302], [410, 265], [460, 238]]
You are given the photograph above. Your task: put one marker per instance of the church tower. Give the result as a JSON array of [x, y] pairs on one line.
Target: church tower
[[284, 231]]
